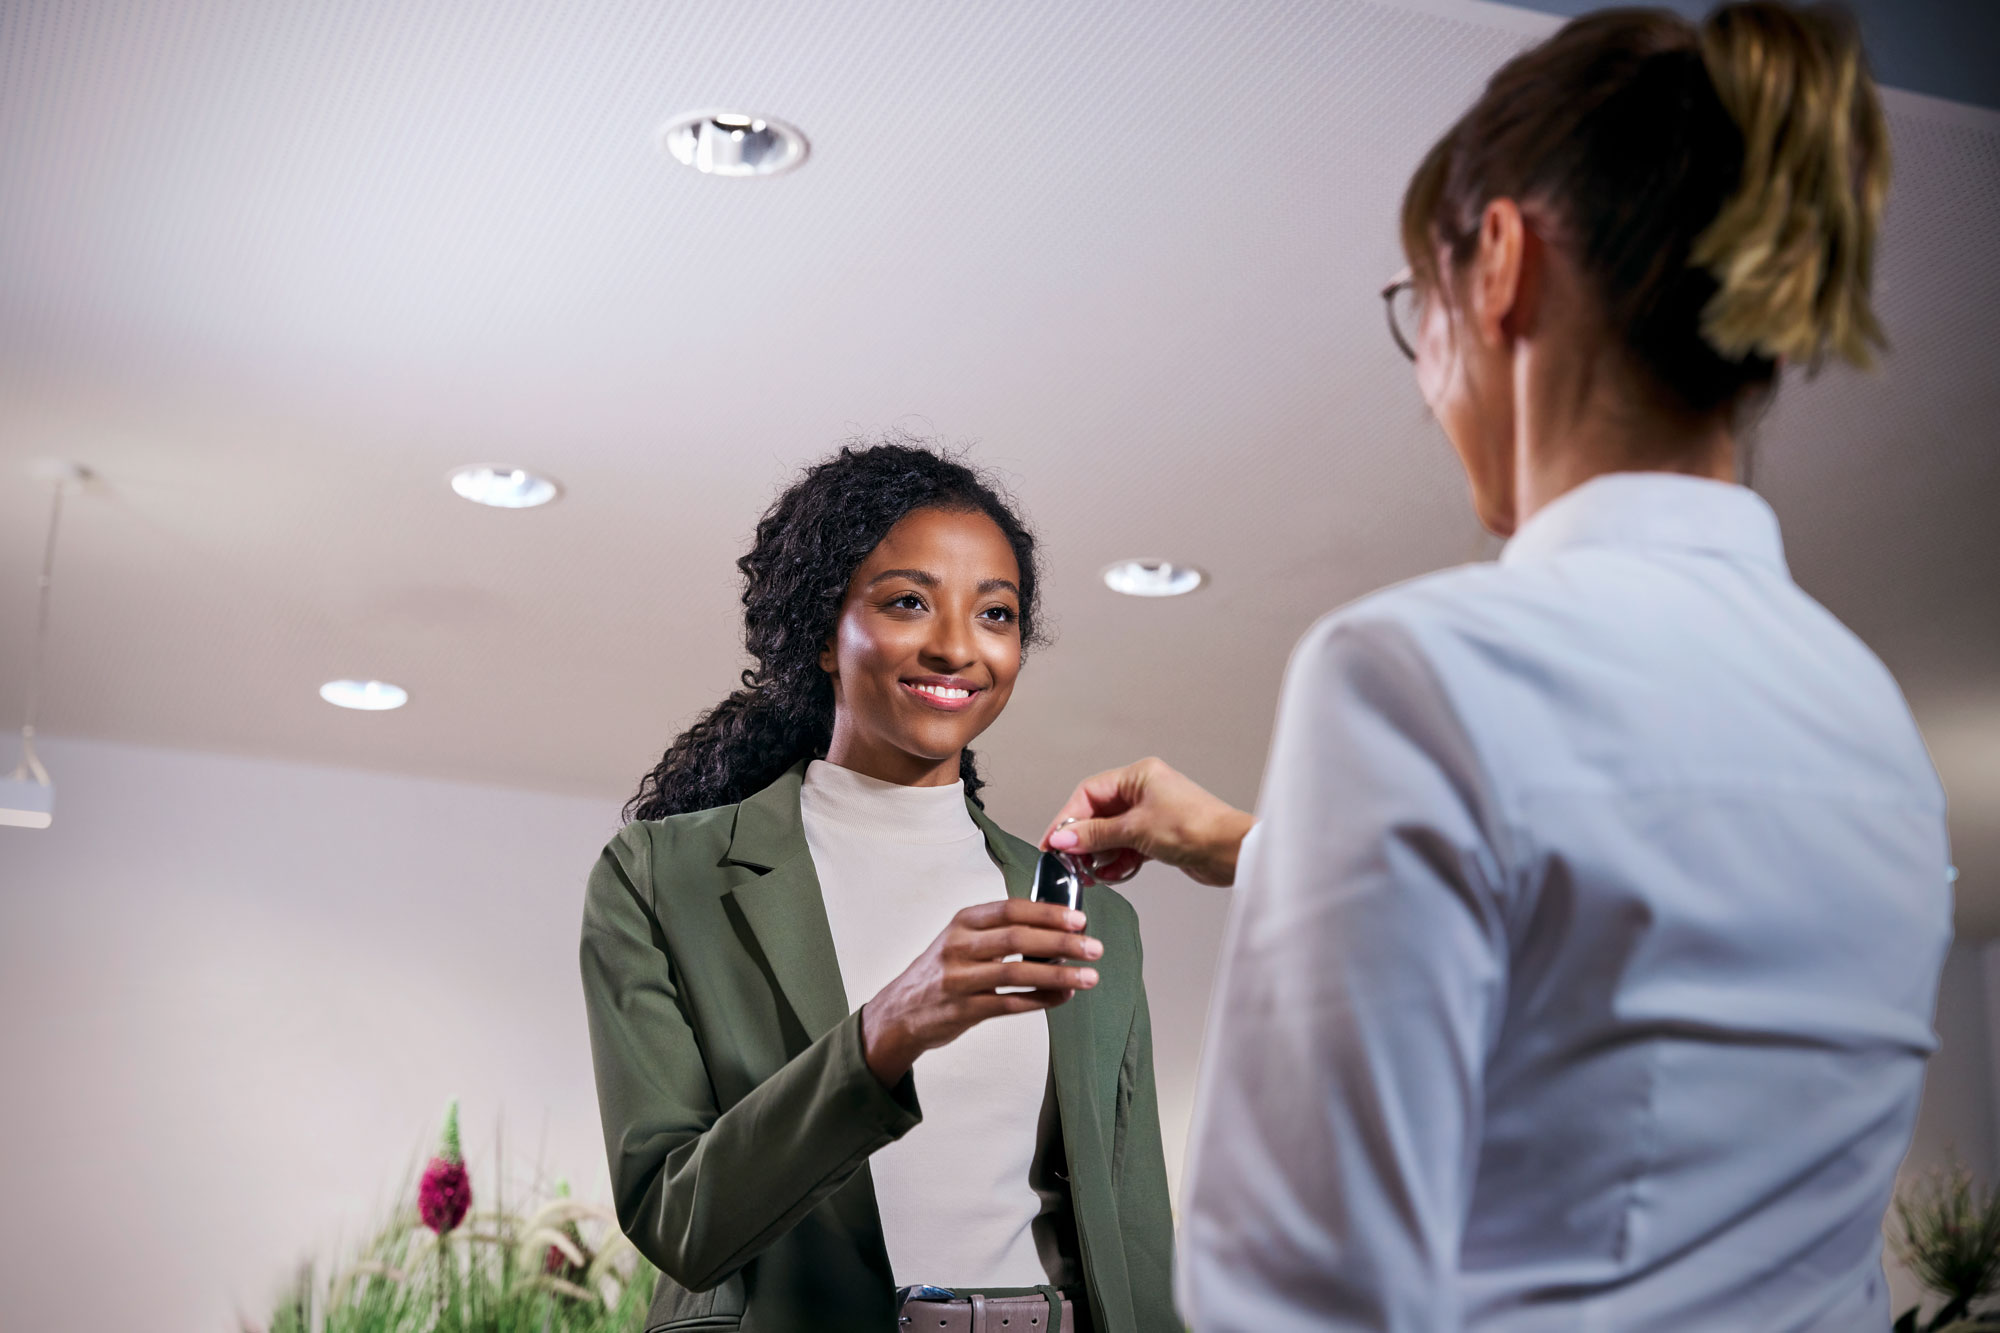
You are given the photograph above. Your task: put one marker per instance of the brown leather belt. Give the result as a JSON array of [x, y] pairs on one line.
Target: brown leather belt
[[986, 1314]]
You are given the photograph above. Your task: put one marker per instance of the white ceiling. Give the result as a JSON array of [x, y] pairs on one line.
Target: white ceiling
[[273, 268]]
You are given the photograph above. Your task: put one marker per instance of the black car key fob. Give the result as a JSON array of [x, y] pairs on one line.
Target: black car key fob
[[1056, 883]]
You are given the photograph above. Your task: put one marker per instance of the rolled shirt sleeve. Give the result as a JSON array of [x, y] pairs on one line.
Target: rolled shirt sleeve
[[1337, 1122]]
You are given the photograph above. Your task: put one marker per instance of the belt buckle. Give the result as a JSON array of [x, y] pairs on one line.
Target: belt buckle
[[906, 1296]]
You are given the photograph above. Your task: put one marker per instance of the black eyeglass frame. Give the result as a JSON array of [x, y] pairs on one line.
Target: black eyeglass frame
[[1402, 282]]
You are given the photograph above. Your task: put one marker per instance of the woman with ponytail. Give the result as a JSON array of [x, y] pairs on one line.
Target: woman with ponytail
[[1584, 948], [810, 921]]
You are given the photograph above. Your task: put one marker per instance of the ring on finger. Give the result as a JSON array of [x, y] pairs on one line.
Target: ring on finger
[[1097, 861], [1105, 859]]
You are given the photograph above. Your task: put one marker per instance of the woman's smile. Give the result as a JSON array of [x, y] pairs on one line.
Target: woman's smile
[[950, 693]]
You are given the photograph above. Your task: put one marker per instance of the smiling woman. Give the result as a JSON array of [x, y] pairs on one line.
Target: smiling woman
[[798, 581], [793, 852], [927, 648]]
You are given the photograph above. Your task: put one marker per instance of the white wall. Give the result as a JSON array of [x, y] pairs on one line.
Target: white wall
[[234, 996]]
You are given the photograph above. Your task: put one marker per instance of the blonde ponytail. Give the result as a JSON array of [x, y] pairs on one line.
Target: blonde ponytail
[[1792, 250]]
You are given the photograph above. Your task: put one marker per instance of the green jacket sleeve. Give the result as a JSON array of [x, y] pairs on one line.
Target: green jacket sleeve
[[1139, 1174], [702, 1190]]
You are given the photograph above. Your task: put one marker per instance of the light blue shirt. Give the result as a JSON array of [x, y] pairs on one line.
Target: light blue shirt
[[1581, 968]]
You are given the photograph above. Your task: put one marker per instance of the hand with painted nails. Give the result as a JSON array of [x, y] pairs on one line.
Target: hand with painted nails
[[957, 982], [1118, 820]]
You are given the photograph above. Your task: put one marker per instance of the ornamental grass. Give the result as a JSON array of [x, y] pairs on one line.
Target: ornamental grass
[[443, 1264], [1948, 1236]]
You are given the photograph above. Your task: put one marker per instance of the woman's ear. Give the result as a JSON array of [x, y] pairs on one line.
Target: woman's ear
[[828, 661], [1501, 277]]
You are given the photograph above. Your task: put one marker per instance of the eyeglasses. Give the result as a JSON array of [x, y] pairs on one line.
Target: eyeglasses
[[1406, 311]]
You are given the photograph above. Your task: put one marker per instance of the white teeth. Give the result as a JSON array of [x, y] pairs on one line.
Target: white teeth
[[942, 691]]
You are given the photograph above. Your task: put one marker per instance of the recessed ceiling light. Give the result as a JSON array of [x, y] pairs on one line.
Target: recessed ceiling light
[[371, 696], [504, 487], [1152, 578], [732, 143]]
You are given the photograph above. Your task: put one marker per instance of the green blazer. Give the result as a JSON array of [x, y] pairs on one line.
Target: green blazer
[[739, 1114]]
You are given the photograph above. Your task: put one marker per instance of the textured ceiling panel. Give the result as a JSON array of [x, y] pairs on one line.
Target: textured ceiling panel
[[273, 269]]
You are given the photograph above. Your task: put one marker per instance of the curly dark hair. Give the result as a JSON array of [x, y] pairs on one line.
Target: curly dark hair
[[808, 545]]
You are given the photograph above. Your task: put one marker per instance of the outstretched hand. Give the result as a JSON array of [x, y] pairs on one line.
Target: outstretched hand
[[1146, 811]]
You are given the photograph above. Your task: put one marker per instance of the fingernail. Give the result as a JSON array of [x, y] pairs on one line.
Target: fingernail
[[1077, 920], [1088, 976], [1092, 949], [1062, 839]]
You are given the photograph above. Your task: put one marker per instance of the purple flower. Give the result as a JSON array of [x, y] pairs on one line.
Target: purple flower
[[444, 1195], [554, 1261], [445, 1192], [557, 1264]]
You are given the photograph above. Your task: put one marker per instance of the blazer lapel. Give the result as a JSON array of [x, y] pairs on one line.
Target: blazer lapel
[[1069, 1024], [1070, 1054], [783, 906], [1017, 868]]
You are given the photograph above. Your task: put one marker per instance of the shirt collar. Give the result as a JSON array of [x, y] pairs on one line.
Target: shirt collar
[[884, 810], [1653, 510]]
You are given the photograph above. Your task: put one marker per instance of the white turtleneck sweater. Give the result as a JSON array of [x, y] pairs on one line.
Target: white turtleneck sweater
[[895, 863]]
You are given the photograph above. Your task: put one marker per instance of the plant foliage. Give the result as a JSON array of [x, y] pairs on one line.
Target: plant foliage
[[1950, 1241], [562, 1268]]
